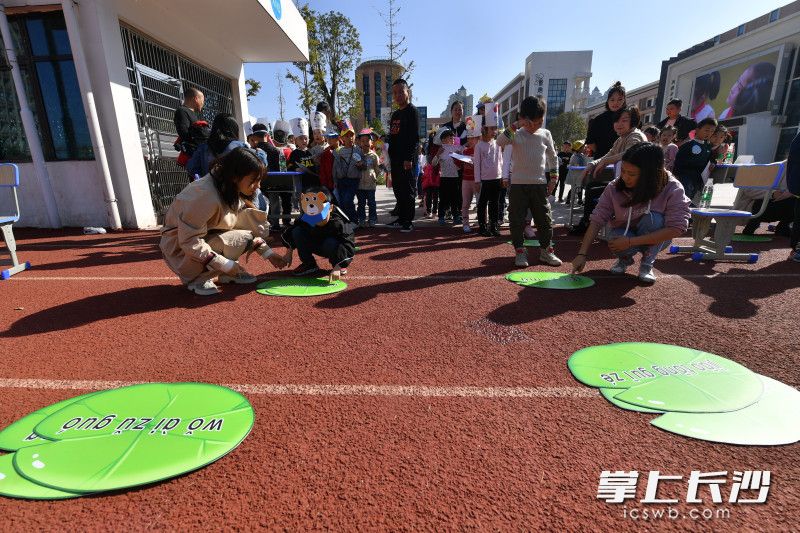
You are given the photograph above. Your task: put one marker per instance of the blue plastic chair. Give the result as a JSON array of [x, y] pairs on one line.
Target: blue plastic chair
[[9, 179], [766, 178]]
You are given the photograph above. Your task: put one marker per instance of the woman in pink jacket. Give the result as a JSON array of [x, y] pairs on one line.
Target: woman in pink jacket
[[645, 208]]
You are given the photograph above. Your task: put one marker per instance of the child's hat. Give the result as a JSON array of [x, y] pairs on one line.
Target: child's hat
[[491, 114], [345, 126], [319, 121], [577, 146], [366, 131], [483, 100], [282, 125], [443, 132], [299, 126], [474, 124], [331, 134], [261, 129]]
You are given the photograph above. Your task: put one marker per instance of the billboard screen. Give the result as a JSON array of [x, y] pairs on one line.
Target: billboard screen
[[735, 90]]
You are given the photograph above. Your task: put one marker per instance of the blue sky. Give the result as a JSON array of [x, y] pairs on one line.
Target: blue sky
[[453, 43]]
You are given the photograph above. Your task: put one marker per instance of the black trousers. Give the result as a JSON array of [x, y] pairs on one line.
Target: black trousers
[[781, 211], [562, 182], [796, 226], [404, 187], [490, 195], [450, 197], [432, 200]]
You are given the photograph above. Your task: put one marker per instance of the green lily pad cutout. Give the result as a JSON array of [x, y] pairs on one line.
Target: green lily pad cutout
[[20, 434], [550, 280], [741, 237], [357, 249], [14, 485], [609, 394], [773, 421], [300, 287], [156, 431], [667, 378], [529, 243]]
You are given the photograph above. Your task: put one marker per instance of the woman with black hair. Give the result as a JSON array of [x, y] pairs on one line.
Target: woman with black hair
[[645, 209], [224, 137], [213, 221], [601, 135]]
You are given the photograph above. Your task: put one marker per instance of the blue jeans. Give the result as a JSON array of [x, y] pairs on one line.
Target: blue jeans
[[347, 188], [647, 224], [366, 197]]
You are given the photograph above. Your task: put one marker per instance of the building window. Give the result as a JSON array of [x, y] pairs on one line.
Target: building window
[[774, 15], [378, 98], [365, 90], [649, 102], [556, 98], [48, 72], [13, 146], [740, 30]]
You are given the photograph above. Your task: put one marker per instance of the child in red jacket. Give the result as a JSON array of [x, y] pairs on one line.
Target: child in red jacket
[[326, 161]]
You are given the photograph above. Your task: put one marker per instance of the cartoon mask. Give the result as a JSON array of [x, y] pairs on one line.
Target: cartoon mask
[[316, 208]]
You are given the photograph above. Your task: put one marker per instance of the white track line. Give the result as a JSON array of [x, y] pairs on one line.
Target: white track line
[[389, 391], [750, 275]]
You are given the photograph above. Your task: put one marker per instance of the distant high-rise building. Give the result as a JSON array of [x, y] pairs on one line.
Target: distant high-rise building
[[374, 80], [461, 96]]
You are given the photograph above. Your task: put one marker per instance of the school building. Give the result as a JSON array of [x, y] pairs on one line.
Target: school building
[[748, 78], [88, 90]]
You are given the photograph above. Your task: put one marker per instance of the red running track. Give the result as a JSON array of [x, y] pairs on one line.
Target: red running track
[[430, 395]]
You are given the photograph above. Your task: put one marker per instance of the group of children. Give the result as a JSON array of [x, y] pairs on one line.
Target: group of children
[[334, 156]]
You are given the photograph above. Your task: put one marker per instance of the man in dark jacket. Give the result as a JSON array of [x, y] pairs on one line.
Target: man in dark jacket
[[403, 150], [187, 114]]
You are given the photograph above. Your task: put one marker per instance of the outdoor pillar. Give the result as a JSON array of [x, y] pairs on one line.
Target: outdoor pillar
[[28, 124], [90, 109]]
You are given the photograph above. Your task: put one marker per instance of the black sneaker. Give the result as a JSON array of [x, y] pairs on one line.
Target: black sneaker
[[305, 269], [484, 232], [394, 223], [494, 232], [406, 228]]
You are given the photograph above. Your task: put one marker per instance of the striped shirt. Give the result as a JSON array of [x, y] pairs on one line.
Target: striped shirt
[[533, 155]]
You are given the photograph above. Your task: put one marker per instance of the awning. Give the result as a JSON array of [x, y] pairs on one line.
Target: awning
[[220, 34]]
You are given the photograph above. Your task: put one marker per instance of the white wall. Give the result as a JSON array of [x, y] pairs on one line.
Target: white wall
[[76, 186]]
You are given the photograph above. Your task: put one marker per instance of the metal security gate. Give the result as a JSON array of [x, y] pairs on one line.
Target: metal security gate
[[157, 77]]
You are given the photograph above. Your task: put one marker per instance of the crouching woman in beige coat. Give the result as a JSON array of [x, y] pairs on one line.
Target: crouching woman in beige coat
[[213, 222]]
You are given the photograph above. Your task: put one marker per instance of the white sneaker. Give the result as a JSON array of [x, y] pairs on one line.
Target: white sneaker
[[207, 288], [467, 229], [548, 256], [243, 278], [521, 259], [646, 274], [620, 266]]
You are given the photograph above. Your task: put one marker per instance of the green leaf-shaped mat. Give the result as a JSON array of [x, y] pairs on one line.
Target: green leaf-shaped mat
[[15, 486], [300, 287], [156, 431], [20, 434], [609, 394], [774, 420], [667, 378]]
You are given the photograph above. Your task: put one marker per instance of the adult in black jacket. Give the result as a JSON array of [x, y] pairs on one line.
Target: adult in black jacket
[[187, 114], [600, 135], [457, 123], [403, 150], [682, 123]]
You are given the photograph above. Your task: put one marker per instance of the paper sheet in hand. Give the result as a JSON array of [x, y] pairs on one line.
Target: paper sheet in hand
[[462, 158]]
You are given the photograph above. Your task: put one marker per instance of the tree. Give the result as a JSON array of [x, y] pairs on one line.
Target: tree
[[377, 126], [568, 126], [304, 77], [395, 44], [336, 52], [253, 87]]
